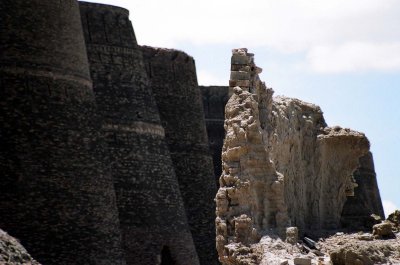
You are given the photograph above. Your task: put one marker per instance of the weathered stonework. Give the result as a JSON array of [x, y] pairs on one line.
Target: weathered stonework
[[12, 252], [357, 210], [83, 167], [173, 80], [317, 161], [152, 216], [282, 166], [56, 196], [250, 200]]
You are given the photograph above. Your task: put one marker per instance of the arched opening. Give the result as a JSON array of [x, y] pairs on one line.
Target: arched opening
[[166, 258]]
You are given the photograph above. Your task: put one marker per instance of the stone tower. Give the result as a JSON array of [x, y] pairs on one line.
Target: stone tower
[[55, 195], [214, 101], [357, 210], [174, 83], [153, 222]]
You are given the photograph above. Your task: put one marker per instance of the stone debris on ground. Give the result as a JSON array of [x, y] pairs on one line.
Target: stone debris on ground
[[339, 249]]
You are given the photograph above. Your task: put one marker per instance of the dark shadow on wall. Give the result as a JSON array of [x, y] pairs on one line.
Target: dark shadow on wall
[[357, 211], [166, 258]]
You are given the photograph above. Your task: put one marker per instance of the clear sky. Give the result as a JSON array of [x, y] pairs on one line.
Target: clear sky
[[341, 55]]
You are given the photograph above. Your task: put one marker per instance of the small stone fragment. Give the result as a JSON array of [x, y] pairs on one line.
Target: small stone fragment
[[376, 217], [365, 237], [292, 235]]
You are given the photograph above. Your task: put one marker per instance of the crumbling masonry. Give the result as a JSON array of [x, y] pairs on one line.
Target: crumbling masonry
[[104, 155], [87, 173], [282, 166]]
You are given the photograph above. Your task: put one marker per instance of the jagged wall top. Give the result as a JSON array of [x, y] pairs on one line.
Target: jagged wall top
[[244, 72], [282, 166]]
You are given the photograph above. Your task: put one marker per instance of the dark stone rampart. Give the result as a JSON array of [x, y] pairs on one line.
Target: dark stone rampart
[[151, 209], [55, 194], [173, 79], [366, 200]]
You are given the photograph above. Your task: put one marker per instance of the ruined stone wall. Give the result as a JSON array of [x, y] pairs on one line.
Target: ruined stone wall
[[214, 101], [282, 166], [152, 215], [55, 194], [317, 161], [173, 80], [250, 200], [307, 120]]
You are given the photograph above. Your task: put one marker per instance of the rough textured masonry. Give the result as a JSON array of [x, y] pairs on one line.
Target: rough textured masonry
[[357, 209], [173, 80], [87, 174], [55, 194], [151, 210], [12, 252], [119, 171], [282, 166], [214, 101]]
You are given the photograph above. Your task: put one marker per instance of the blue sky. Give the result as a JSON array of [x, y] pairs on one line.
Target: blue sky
[[341, 55]]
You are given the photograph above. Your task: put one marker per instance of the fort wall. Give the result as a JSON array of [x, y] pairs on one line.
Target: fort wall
[[56, 196], [357, 210], [105, 157], [173, 80], [152, 216], [214, 101]]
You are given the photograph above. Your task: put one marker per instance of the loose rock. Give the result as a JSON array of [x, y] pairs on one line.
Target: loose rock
[[383, 230]]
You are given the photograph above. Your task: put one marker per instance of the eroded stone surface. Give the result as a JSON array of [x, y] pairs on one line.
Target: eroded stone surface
[[394, 218], [292, 235], [12, 252], [282, 166], [383, 230], [317, 162]]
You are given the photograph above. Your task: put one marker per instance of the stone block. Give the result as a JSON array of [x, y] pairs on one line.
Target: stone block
[[240, 67], [240, 75], [292, 235], [302, 261], [240, 59], [241, 83]]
